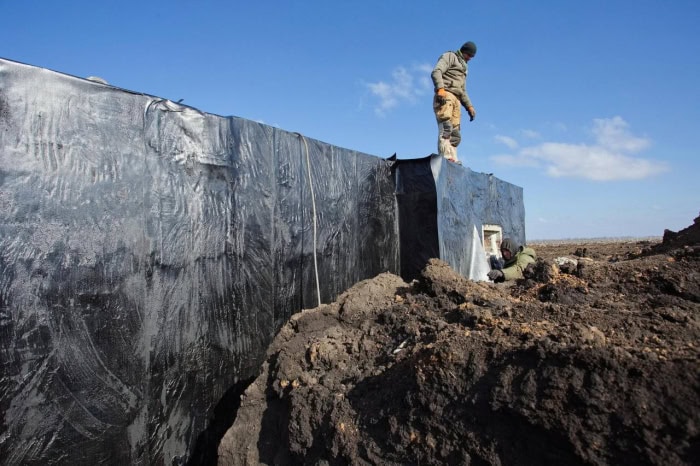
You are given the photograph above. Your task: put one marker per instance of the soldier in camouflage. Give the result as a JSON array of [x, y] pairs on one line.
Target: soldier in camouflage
[[450, 81]]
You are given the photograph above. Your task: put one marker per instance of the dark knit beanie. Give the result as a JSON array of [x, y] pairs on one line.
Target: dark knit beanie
[[469, 47], [510, 245]]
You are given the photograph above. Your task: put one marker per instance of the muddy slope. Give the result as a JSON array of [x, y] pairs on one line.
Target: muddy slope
[[592, 359]]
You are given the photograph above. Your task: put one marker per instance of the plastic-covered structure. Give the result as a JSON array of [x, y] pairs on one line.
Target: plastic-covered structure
[[443, 209], [149, 252]]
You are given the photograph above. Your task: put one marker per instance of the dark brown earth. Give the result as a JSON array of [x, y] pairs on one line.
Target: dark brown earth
[[592, 361]]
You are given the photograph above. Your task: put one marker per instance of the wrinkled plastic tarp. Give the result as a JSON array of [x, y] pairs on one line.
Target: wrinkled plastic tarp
[[148, 254], [443, 208], [468, 199]]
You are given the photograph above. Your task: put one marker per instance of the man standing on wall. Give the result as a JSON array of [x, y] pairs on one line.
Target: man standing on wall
[[450, 81]]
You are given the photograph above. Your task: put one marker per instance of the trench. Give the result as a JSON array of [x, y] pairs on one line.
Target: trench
[[205, 452]]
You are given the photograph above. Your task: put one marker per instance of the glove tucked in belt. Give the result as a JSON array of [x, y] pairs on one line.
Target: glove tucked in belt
[[441, 97]]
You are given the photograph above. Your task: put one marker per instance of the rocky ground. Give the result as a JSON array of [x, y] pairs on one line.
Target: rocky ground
[[593, 358]]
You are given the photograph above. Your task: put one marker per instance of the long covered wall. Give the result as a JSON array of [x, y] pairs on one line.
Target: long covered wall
[[149, 252]]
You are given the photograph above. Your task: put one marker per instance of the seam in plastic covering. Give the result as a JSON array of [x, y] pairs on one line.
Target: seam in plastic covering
[[313, 207]]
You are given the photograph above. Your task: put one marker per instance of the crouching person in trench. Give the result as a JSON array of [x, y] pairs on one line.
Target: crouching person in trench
[[515, 259]]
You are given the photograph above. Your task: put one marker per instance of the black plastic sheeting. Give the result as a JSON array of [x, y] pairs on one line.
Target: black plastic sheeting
[[442, 210], [416, 198], [149, 253]]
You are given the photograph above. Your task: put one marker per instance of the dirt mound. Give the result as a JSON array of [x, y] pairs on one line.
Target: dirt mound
[[687, 237], [588, 360]]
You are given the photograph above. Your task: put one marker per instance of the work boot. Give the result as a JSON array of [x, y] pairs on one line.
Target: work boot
[[447, 150]]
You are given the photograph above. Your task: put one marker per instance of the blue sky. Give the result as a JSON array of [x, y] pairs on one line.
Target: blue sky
[[593, 107]]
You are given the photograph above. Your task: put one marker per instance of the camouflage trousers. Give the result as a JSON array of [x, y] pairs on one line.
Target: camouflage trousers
[[448, 112]]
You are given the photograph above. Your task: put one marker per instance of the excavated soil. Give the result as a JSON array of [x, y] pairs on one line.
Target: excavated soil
[[591, 359]]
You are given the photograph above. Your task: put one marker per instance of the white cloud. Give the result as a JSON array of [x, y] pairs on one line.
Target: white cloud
[[612, 133], [605, 160], [530, 134], [405, 86], [507, 141]]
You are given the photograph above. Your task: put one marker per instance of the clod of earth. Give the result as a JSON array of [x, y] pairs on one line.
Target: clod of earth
[[594, 361]]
